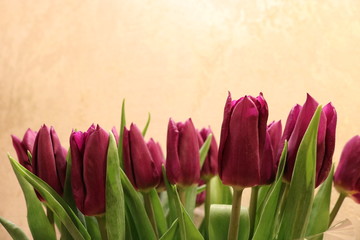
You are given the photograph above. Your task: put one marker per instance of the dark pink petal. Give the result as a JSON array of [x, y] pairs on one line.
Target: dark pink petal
[[240, 157], [210, 166], [172, 156]]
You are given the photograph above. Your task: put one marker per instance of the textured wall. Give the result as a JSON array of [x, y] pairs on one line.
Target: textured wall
[[70, 63]]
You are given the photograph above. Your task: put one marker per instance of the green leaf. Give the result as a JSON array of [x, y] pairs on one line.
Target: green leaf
[[172, 232], [171, 199], [122, 125], [136, 209], [205, 149], [220, 219], [52, 200], [300, 197], [38, 222], [320, 213], [159, 212], [92, 227], [220, 193], [146, 125], [115, 207], [190, 199], [200, 189], [15, 232], [270, 204]]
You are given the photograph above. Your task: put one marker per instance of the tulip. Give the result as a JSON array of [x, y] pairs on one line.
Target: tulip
[[242, 141], [116, 134], [49, 159], [21, 147], [142, 162], [183, 160], [296, 126], [269, 165], [88, 173], [347, 175], [158, 156], [210, 166]]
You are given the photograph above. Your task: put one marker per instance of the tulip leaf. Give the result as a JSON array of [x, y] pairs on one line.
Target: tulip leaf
[[300, 194], [220, 193], [146, 125], [137, 209], [15, 232], [320, 213], [115, 208], [187, 229], [122, 125], [220, 220], [38, 222], [171, 197], [52, 200], [205, 149], [172, 232], [270, 205], [190, 199], [159, 212], [200, 189], [92, 227]]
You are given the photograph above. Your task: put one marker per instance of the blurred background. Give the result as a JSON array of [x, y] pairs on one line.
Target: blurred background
[[70, 63]]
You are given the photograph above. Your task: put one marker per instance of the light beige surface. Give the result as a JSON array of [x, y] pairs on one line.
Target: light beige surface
[[70, 63]]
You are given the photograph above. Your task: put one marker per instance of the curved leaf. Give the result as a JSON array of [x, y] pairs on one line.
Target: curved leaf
[[15, 232]]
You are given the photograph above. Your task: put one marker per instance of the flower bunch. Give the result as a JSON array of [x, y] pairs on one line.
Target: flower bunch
[[119, 185]]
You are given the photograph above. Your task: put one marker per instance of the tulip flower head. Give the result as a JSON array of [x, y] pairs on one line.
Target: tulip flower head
[[183, 159], [88, 173], [242, 141], [210, 166], [295, 128], [142, 161], [347, 175], [49, 158], [21, 147]]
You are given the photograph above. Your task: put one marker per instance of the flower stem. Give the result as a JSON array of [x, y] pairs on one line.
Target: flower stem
[[102, 226], [336, 208], [235, 215], [207, 209], [182, 195], [150, 212], [252, 208]]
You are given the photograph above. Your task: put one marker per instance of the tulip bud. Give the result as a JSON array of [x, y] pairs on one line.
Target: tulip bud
[[210, 166], [269, 165], [242, 141], [296, 126], [347, 175], [49, 159], [88, 172], [142, 162], [116, 135], [183, 160], [21, 147], [158, 157]]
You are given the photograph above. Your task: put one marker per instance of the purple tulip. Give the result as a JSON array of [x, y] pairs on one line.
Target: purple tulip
[[183, 160], [242, 141], [21, 147], [347, 175], [49, 159], [142, 162], [116, 134], [268, 166], [296, 126], [210, 166], [88, 175]]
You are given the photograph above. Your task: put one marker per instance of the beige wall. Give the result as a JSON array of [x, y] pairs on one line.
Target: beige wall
[[70, 63]]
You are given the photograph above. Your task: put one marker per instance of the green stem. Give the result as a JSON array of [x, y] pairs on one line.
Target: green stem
[[150, 212], [281, 206], [235, 215], [182, 195], [252, 209], [336, 208], [207, 209], [102, 226]]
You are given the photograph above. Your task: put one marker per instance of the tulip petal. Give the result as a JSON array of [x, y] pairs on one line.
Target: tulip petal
[[240, 157], [94, 171], [172, 156]]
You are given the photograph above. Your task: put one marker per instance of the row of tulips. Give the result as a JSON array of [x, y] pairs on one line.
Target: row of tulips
[[279, 166]]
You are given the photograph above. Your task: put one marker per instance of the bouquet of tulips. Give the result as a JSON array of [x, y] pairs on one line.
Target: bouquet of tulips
[[117, 185]]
